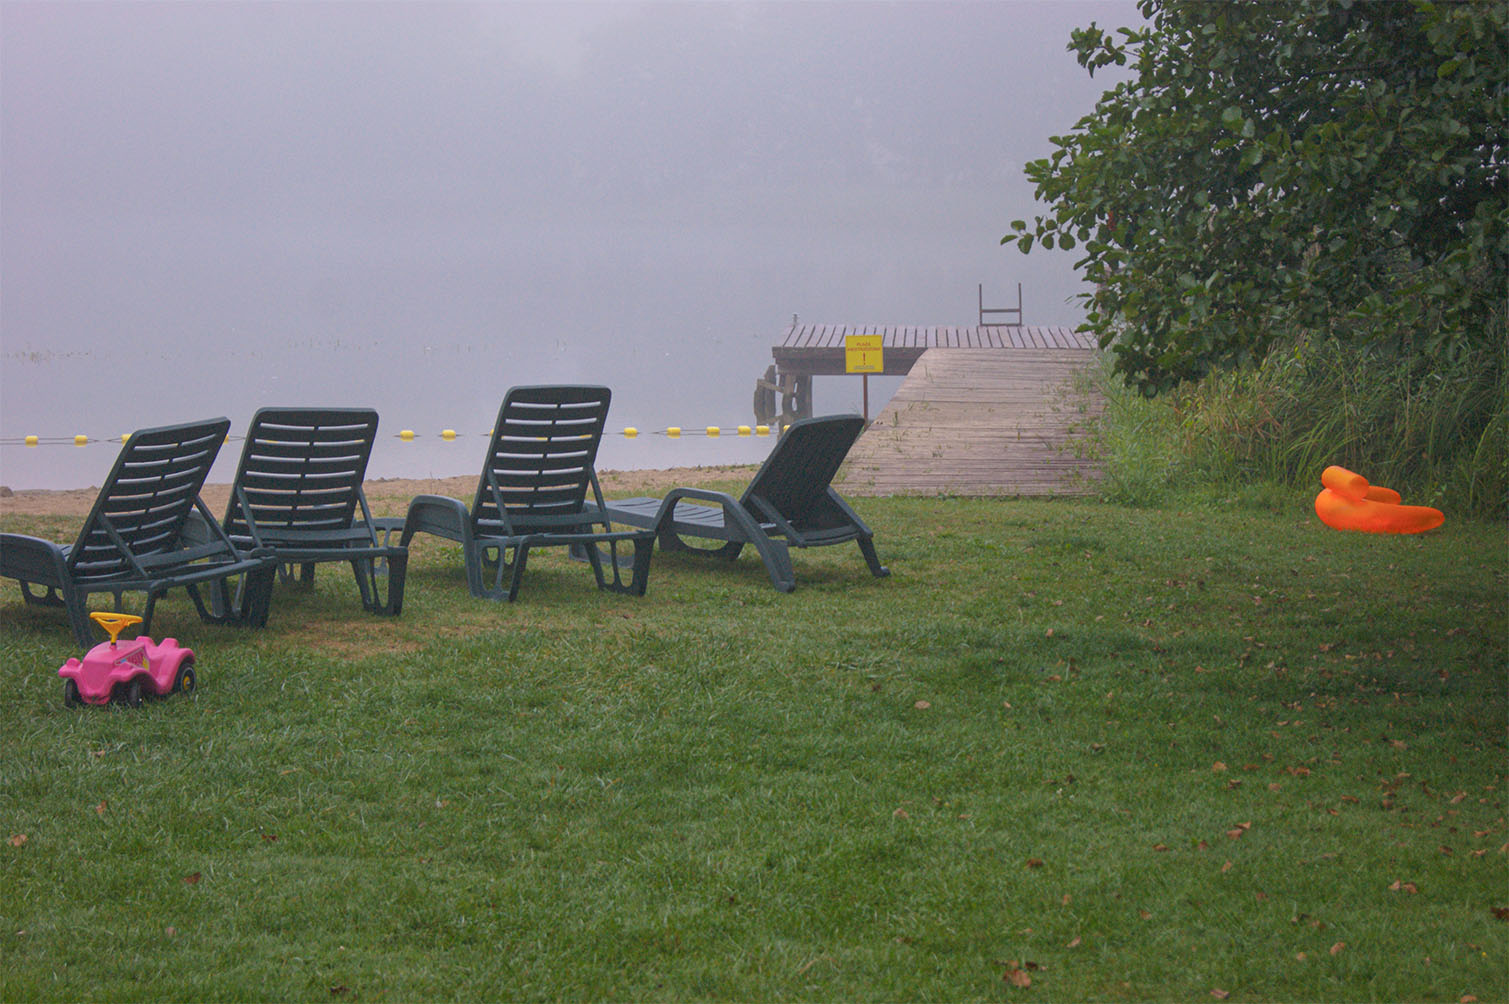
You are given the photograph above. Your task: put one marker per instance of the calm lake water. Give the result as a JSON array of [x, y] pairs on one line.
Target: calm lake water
[[676, 313], [104, 392]]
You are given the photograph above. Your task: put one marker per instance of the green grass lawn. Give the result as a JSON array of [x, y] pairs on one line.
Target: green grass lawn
[[1067, 751]]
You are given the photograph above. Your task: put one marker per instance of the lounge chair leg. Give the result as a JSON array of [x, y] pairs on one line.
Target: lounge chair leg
[[221, 609], [47, 599], [146, 614], [479, 562], [637, 566], [366, 583], [777, 558], [256, 596], [670, 540], [644, 550], [369, 583], [867, 548], [520, 558], [397, 569], [304, 579], [78, 619]]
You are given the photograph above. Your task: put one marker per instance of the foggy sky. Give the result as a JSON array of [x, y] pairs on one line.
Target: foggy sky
[[416, 205]]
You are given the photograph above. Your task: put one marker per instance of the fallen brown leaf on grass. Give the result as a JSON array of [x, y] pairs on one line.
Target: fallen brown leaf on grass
[[18, 840], [192, 879], [1336, 949], [1017, 978], [1220, 994]]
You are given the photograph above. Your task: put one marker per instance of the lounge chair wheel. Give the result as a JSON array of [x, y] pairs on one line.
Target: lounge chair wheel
[[185, 681], [131, 694], [71, 698]]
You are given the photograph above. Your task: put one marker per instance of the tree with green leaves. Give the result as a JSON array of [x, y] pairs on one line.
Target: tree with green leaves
[[1317, 168]]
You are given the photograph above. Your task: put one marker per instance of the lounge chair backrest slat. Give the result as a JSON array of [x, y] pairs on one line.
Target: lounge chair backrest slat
[[302, 469], [147, 498], [795, 478], [540, 460]]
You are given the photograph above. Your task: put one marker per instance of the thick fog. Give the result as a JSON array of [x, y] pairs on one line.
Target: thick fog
[[209, 207]]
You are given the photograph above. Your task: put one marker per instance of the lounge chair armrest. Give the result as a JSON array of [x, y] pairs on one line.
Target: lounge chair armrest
[[668, 504], [437, 514], [32, 559]]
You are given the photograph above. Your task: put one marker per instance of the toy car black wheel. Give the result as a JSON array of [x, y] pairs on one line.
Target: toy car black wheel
[[71, 698], [185, 681], [131, 694]]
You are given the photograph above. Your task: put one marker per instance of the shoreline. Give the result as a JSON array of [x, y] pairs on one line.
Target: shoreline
[[386, 496]]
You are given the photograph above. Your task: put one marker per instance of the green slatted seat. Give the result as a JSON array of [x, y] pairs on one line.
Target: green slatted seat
[[298, 491], [148, 532], [533, 492], [791, 501]]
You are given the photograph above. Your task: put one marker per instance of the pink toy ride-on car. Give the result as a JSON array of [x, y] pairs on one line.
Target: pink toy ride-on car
[[127, 671]]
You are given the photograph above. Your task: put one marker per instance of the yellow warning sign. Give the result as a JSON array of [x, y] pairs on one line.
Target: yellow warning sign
[[863, 354]]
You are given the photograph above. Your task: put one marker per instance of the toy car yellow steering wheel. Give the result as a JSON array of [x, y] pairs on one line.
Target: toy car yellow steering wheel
[[113, 623]]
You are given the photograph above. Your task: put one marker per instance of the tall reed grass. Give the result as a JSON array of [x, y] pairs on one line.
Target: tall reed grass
[[1435, 429]]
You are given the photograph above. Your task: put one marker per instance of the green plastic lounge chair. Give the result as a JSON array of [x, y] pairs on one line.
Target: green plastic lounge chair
[[148, 532], [532, 493], [297, 492], [791, 501]]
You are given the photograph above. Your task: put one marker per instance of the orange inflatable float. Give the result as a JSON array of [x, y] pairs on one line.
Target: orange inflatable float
[[1348, 502]]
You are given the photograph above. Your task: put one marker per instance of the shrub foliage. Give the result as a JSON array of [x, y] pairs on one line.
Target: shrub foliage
[[1438, 431], [1328, 168]]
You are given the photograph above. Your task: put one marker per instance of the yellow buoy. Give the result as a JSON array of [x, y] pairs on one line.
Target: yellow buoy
[[743, 430], [630, 432], [762, 430], [125, 437], [674, 432], [714, 431], [447, 433], [407, 435], [31, 440], [80, 439]]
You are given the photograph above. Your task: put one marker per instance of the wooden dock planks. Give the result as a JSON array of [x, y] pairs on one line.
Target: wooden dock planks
[[982, 422], [818, 349]]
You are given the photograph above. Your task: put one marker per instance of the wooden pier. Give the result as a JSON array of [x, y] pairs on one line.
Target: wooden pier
[[982, 422], [809, 350]]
